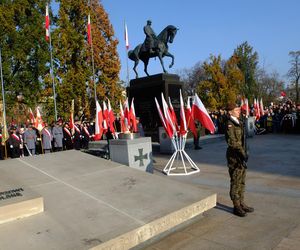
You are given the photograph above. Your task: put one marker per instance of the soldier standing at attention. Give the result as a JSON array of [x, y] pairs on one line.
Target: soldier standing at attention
[[236, 160]]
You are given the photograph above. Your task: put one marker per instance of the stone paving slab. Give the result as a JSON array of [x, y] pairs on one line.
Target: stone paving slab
[[94, 203]]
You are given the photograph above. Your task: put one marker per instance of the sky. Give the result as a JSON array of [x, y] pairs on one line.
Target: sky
[[215, 27]]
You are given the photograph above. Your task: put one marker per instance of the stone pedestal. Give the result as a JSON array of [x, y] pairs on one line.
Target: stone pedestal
[[136, 153], [18, 203], [166, 145], [250, 126], [144, 90]]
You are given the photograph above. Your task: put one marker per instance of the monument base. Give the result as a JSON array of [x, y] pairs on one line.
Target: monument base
[[144, 90], [250, 126], [19, 203], [166, 145], [135, 153]]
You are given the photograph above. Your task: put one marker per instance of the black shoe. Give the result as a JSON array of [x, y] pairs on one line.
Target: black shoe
[[239, 211], [198, 147], [246, 208]]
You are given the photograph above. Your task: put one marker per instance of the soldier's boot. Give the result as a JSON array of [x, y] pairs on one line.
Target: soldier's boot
[[246, 208], [237, 209]]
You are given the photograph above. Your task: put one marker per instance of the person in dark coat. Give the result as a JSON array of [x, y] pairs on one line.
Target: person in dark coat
[[77, 135], [236, 160], [14, 142], [68, 140]]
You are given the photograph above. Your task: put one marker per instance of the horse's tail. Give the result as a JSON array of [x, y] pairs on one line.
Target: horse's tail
[[134, 54]]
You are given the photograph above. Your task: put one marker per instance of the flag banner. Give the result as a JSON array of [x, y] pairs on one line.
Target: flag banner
[[256, 109], [173, 115], [133, 117], [167, 116], [89, 33], [126, 37], [98, 122], [122, 119], [190, 118], [31, 116], [183, 125], [39, 125], [261, 106], [111, 118], [200, 113], [105, 117], [47, 23], [71, 123], [163, 121]]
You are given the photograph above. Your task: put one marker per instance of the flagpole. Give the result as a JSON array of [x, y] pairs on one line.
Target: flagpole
[[126, 53], [4, 110], [93, 67]]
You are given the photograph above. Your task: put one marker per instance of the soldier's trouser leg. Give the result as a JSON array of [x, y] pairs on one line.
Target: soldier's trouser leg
[[237, 183]]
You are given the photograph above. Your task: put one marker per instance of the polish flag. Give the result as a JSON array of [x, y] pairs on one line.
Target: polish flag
[[282, 93], [47, 23], [105, 117], [111, 118], [89, 30], [245, 106], [126, 113], [183, 125], [168, 117], [98, 122], [200, 113], [71, 122], [126, 37], [256, 109], [122, 119], [190, 118], [173, 115], [168, 131], [133, 116], [38, 120], [31, 116], [261, 106]]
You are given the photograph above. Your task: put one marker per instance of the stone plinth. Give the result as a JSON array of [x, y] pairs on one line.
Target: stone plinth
[[166, 146], [18, 203], [144, 90], [135, 153]]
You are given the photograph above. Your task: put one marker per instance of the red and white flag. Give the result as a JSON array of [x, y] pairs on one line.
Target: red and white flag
[[126, 37], [89, 31], [133, 116], [173, 115], [126, 113], [261, 106], [122, 119], [111, 118], [245, 106], [167, 115], [162, 118], [31, 116], [190, 118], [183, 125], [47, 23], [256, 109], [200, 113], [38, 120], [98, 122], [71, 122], [105, 117]]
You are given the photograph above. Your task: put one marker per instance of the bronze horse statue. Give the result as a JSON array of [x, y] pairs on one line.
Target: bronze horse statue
[[161, 50]]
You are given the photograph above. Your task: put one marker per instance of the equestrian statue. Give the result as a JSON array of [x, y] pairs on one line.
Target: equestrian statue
[[153, 46]]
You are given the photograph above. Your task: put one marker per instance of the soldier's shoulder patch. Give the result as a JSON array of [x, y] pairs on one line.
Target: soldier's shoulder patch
[[229, 125]]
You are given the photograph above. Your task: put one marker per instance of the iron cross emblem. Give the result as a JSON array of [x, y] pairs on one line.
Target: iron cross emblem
[[141, 157]]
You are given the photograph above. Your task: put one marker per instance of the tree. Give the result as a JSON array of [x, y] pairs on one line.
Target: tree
[[191, 78], [221, 86], [24, 50], [294, 71], [107, 62], [247, 63]]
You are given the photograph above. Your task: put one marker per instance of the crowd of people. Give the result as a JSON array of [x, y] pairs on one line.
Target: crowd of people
[[28, 140], [276, 118]]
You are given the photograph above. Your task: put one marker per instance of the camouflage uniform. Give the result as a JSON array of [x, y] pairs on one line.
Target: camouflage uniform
[[236, 159]]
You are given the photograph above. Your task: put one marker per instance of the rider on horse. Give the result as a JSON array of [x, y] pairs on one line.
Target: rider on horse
[[151, 39]]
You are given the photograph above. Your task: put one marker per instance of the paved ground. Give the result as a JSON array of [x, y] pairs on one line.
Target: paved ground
[[273, 188]]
